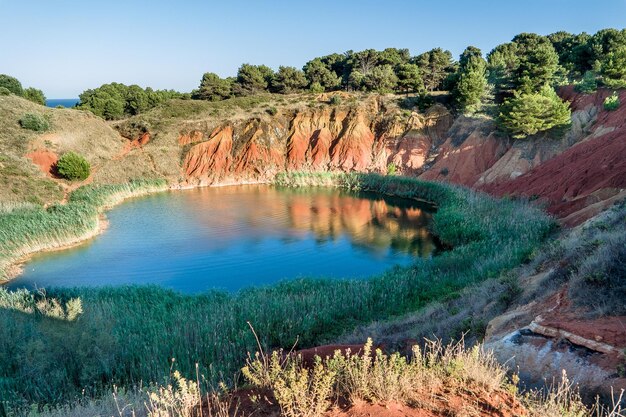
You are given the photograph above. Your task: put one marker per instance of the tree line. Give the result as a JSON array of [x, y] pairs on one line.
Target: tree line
[[517, 79], [11, 85]]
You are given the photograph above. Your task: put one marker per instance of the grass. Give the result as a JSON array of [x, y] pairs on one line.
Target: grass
[[25, 229], [129, 335], [439, 380]]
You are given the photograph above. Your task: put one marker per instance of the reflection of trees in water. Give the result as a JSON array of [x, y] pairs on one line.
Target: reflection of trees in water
[[375, 225], [370, 222]]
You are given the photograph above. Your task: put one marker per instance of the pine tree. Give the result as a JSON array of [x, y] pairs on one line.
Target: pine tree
[[409, 78], [528, 113], [471, 84]]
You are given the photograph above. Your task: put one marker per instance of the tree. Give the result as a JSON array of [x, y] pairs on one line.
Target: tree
[[604, 42], [252, 79], [573, 51], [409, 78], [12, 84], [613, 69], [381, 79], [394, 57], [435, 65], [317, 71], [213, 88], [529, 113], [502, 62], [73, 166], [471, 84], [288, 80], [35, 95], [115, 100], [538, 61]]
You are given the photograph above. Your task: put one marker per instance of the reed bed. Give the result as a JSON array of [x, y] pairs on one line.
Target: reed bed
[[29, 228]]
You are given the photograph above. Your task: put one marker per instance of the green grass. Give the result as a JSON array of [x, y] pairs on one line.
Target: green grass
[[129, 335], [29, 228]]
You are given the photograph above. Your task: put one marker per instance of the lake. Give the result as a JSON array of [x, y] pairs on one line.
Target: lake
[[234, 237]]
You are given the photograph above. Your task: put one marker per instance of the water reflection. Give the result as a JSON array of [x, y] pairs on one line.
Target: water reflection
[[233, 237]]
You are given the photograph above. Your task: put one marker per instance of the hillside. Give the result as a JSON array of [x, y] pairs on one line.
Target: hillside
[[539, 312]]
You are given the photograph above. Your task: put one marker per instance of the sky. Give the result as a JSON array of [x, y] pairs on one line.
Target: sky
[[64, 47]]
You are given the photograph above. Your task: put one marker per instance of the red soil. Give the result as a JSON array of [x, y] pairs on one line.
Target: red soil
[[44, 159], [571, 181]]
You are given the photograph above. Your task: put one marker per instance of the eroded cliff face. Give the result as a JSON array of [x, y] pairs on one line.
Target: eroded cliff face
[[364, 139]]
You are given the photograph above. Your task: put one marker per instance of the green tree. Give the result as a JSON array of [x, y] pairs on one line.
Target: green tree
[[394, 57], [538, 61], [317, 71], [288, 80], [528, 113], [573, 51], [213, 88], [252, 79], [471, 84], [602, 43], [381, 79], [502, 62], [613, 68], [35, 95], [355, 80], [435, 65], [12, 84], [73, 166], [409, 78]]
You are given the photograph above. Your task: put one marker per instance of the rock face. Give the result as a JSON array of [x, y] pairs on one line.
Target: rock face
[[546, 338], [363, 139]]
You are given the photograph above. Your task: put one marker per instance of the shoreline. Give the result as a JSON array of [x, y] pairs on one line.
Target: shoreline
[[15, 267]]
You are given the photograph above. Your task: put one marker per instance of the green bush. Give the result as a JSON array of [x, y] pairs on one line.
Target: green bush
[[588, 84], [36, 122], [612, 102], [12, 84], [335, 100], [271, 111], [73, 166], [4, 91], [35, 95]]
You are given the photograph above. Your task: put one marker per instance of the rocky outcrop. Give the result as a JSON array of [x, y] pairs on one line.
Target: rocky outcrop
[[366, 138]]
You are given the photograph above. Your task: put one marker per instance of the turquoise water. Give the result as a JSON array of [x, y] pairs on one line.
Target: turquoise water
[[234, 237], [65, 102]]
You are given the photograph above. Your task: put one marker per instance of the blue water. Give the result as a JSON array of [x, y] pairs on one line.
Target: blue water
[[65, 102], [234, 237]]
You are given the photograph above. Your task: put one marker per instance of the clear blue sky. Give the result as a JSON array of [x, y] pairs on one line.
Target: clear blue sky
[[65, 47]]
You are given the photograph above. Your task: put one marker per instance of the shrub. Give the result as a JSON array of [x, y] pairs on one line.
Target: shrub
[[612, 102], [391, 169], [316, 88], [4, 91], [36, 122], [588, 84], [335, 100], [35, 95], [12, 84], [73, 166], [271, 111]]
